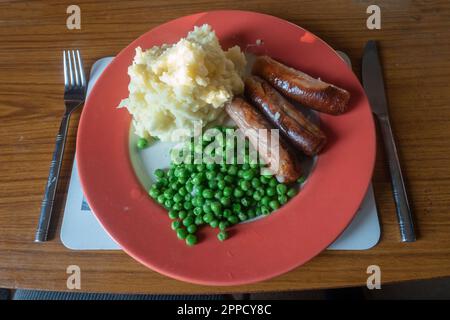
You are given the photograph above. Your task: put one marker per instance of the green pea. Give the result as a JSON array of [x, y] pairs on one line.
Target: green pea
[[212, 184], [209, 175], [168, 194], [163, 181], [198, 211], [282, 199], [291, 192], [182, 192], [161, 199], [248, 175], [197, 179], [238, 193], [223, 225], [218, 195], [228, 178], [159, 173], [200, 167], [233, 219], [198, 220], [187, 205], [214, 223], [207, 194], [251, 213], [281, 188], [301, 180], [225, 201], [208, 217], [227, 213], [264, 179], [177, 198], [173, 214], [236, 208], [257, 195], [142, 143], [188, 221], [264, 210], [222, 235], [211, 166], [175, 224], [256, 183], [245, 202], [245, 185], [216, 207], [242, 216], [221, 184], [191, 239], [227, 191], [182, 214], [197, 190], [154, 193], [273, 182], [187, 197], [274, 204], [206, 208], [189, 186], [168, 203], [271, 191], [181, 233], [192, 228], [232, 170]]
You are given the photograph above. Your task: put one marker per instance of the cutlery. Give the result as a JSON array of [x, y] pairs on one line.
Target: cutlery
[[74, 96], [374, 85]]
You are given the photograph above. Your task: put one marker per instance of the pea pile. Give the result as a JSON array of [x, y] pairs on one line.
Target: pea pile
[[216, 194]]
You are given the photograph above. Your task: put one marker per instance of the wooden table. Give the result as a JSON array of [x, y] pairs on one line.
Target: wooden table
[[415, 49]]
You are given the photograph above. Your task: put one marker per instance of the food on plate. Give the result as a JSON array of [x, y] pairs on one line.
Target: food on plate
[[295, 127], [283, 163], [299, 86], [216, 194], [175, 89], [174, 86]]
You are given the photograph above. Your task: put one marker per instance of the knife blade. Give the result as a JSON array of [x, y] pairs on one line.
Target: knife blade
[[373, 82]]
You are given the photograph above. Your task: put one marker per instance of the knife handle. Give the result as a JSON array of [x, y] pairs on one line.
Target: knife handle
[[398, 186]]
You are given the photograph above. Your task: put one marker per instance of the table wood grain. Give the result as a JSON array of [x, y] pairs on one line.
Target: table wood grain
[[415, 49]]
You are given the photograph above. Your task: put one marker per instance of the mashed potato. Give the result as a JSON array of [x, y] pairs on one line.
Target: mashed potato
[[174, 87]]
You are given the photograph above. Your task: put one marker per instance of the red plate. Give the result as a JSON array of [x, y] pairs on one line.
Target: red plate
[[256, 251]]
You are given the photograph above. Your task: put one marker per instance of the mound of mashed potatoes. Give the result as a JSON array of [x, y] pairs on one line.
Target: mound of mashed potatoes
[[174, 88]]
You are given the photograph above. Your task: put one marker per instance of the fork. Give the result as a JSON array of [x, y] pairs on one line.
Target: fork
[[74, 96]]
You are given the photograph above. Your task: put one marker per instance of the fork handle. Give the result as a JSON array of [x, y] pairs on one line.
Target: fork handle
[[52, 182], [404, 216]]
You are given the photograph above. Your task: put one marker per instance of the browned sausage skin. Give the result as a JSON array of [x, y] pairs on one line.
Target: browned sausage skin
[[303, 134], [284, 164], [299, 86]]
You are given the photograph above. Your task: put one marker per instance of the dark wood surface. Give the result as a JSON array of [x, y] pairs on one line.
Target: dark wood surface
[[415, 49]]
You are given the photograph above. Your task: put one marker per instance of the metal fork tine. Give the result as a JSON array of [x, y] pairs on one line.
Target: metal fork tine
[[80, 64], [75, 69], [71, 84], [66, 71]]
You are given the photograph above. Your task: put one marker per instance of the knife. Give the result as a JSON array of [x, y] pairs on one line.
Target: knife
[[374, 86]]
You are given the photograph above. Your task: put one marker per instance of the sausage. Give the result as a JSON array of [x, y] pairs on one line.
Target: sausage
[[284, 164], [295, 127], [299, 86]]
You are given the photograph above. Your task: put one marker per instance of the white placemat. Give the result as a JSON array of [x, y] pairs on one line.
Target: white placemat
[[81, 230]]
